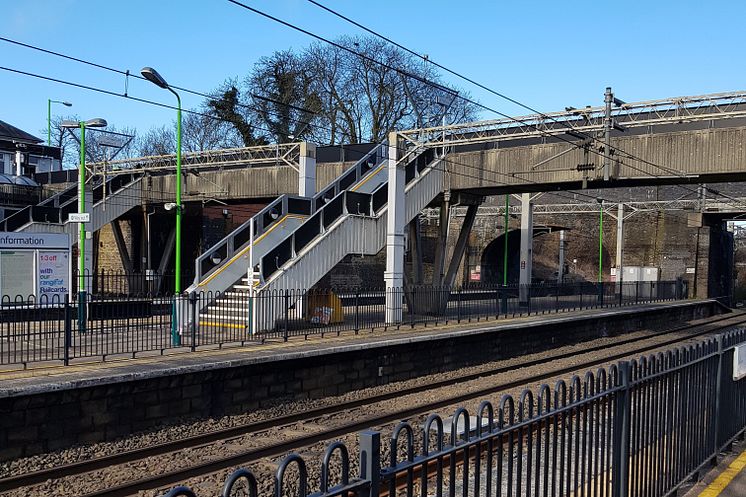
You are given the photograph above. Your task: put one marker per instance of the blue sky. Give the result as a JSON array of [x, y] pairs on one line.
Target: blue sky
[[547, 54]]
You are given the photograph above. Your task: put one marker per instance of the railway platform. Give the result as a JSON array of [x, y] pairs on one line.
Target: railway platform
[[728, 479], [101, 401]]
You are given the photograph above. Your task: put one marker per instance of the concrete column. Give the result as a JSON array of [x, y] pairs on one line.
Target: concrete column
[[561, 270], [441, 247], [619, 245], [394, 275], [307, 170], [527, 242]]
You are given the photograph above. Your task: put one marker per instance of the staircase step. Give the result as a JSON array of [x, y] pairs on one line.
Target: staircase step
[[228, 308], [242, 296], [223, 318]]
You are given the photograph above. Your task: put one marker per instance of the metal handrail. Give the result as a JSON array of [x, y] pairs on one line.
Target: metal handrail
[[340, 205], [53, 204], [225, 249]]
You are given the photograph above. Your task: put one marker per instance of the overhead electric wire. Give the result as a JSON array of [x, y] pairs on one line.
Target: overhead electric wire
[[127, 73], [468, 79], [307, 123], [150, 102], [433, 84]]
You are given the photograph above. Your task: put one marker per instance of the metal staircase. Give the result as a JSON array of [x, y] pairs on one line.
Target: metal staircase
[[299, 240], [106, 201], [221, 273]]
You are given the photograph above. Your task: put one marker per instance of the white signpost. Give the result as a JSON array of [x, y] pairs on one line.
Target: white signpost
[[739, 362], [83, 217], [35, 265]]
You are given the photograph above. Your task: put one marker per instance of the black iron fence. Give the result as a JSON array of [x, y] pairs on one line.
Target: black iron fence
[[639, 428], [128, 284], [299, 312], [106, 324]]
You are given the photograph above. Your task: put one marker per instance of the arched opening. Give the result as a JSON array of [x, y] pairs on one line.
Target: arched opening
[[492, 256], [492, 259]]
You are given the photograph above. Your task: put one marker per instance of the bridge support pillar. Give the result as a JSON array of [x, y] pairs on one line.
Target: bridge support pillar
[[527, 241], [394, 275], [307, 170], [561, 265]]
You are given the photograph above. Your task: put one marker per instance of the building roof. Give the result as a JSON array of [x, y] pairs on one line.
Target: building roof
[[10, 132]]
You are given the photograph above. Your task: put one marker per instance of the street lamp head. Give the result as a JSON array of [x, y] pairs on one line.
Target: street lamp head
[[152, 75], [69, 124], [96, 122], [67, 104]]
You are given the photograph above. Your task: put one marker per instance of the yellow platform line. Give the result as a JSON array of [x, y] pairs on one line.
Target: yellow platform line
[[221, 325], [721, 482]]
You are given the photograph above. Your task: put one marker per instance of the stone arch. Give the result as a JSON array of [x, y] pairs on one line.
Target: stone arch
[[492, 256]]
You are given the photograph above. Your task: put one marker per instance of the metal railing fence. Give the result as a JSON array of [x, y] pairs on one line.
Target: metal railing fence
[[117, 318], [637, 428], [287, 313], [113, 283]]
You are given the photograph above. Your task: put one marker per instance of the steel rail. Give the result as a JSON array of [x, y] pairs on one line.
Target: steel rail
[[279, 448]]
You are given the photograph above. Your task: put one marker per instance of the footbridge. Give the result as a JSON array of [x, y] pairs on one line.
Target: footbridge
[[360, 206]]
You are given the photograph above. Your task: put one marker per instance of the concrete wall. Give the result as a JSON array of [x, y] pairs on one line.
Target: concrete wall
[[64, 415]]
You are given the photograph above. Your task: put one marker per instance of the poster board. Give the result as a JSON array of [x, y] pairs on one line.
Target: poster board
[[16, 274], [53, 274]]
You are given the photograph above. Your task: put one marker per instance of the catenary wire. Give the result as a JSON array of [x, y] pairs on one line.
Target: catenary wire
[[307, 123], [456, 95]]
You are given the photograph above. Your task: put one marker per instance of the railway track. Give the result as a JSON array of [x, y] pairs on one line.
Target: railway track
[[282, 447]]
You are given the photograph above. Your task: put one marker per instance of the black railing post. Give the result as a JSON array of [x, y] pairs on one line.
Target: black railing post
[[82, 306], [458, 306], [410, 308], [357, 311], [287, 317], [505, 301], [621, 427], [68, 333], [556, 300], [637, 292], [718, 390], [193, 324], [601, 294], [370, 461]]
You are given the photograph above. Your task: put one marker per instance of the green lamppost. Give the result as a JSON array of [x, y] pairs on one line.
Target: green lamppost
[[49, 117], [600, 250], [91, 123], [152, 75]]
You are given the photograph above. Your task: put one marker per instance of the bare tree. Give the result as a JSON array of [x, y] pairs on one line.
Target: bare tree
[[331, 95], [157, 141], [230, 105], [283, 95]]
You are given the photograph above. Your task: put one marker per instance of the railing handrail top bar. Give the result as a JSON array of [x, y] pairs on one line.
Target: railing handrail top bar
[[201, 153], [672, 102]]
